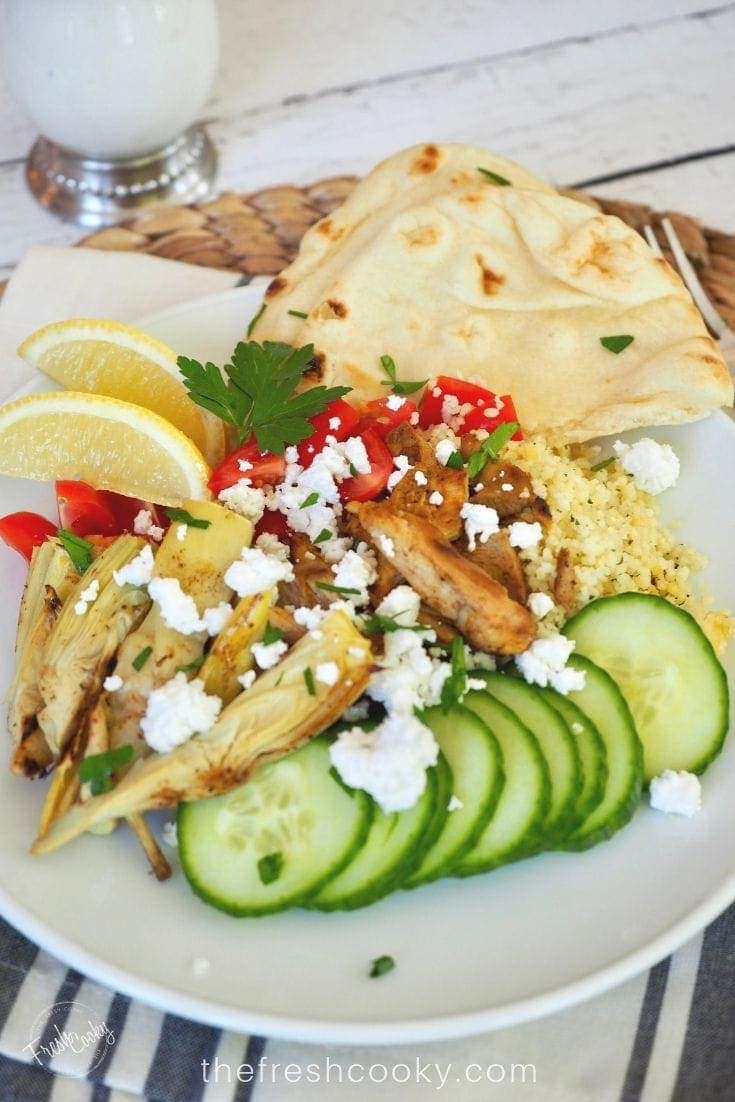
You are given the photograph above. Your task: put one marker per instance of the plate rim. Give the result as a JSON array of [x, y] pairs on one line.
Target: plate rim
[[355, 1031]]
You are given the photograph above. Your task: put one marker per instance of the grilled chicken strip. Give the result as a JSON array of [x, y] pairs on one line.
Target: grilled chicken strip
[[459, 590], [51, 578], [411, 496], [516, 501], [83, 641], [285, 707], [501, 562]]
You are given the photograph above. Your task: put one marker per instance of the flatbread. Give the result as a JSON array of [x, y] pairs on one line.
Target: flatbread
[[450, 272]]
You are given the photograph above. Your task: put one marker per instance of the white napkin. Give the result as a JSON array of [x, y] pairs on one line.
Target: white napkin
[[51, 284]]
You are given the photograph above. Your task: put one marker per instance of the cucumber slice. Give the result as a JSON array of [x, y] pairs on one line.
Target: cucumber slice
[[556, 742], [293, 807], [391, 851], [604, 704], [476, 763], [516, 828], [667, 671], [592, 753]]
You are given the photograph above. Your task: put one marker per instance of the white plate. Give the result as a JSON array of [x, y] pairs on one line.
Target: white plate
[[470, 954]]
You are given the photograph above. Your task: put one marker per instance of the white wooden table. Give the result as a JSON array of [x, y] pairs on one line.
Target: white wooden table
[[635, 96]]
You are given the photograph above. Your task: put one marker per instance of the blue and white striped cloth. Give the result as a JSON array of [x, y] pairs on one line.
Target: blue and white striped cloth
[[666, 1036]]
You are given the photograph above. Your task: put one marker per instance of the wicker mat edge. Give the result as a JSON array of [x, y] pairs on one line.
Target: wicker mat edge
[[258, 233]]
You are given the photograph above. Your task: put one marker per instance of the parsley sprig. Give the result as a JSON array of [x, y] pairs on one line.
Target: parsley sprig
[[257, 393], [387, 624], [78, 549], [408, 387], [491, 448], [455, 686]]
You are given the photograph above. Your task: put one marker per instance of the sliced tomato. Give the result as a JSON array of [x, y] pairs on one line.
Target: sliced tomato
[[265, 468], [380, 417], [275, 524], [478, 418], [501, 409], [339, 420], [364, 487], [25, 531], [84, 510], [125, 510]]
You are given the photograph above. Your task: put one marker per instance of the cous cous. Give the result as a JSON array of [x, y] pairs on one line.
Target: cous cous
[[613, 535]]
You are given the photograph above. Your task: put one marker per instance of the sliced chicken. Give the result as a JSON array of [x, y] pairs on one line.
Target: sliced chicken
[[283, 709], [455, 587], [412, 496], [501, 562], [507, 489]]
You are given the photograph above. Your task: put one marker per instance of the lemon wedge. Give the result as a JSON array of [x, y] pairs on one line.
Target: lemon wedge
[[111, 444], [105, 357]]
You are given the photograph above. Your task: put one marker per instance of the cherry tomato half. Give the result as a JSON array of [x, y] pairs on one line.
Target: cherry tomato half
[[265, 468], [467, 394], [275, 524], [339, 420], [382, 419], [83, 510], [364, 487], [125, 510], [25, 531]]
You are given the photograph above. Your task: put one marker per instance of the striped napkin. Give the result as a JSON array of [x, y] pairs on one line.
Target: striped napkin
[[668, 1034]]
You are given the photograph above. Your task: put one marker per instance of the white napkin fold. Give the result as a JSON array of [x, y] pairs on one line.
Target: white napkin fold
[[51, 284]]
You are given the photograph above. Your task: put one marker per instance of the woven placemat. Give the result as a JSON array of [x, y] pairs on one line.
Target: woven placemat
[[258, 233]]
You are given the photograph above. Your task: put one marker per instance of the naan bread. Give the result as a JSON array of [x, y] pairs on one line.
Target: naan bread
[[512, 286]]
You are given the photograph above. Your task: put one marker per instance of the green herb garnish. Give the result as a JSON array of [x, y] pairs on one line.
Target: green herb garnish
[[617, 344], [270, 867], [455, 461], [325, 534], [96, 769], [255, 319], [79, 550], [494, 176], [336, 588], [491, 448], [381, 965], [388, 624], [455, 686], [185, 517], [296, 314], [310, 500], [603, 463], [389, 367], [353, 470], [309, 679], [195, 664], [336, 777], [140, 659], [271, 635]]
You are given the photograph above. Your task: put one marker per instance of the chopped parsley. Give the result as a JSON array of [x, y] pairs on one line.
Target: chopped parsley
[[296, 314], [79, 550], [310, 500], [455, 686], [270, 867], [309, 679], [140, 659], [255, 319], [494, 176], [185, 517], [96, 770], [271, 635], [381, 965], [325, 534], [455, 461], [387, 624], [603, 463], [336, 588], [389, 367], [195, 664], [256, 392], [491, 448], [618, 343]]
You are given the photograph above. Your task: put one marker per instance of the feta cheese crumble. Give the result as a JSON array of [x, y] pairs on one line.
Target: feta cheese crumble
[[357, 570], [334, 423], [255, 571], [444, 450], [386, 545], [540, 604], [436, 498], [112, 683], [214, 619], [678, 793], [143, 526], [244, 499], [177, 710], [395, 402], [169, 835], [268, 655], [654, 467], [402, 467], [87, 597], [246, 679], [138, 571], [523, 535], [403, 604], [420, 478], [328, 672], [480, 522], [545, 663], [181, 530], [178, 609], [389, 762]]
